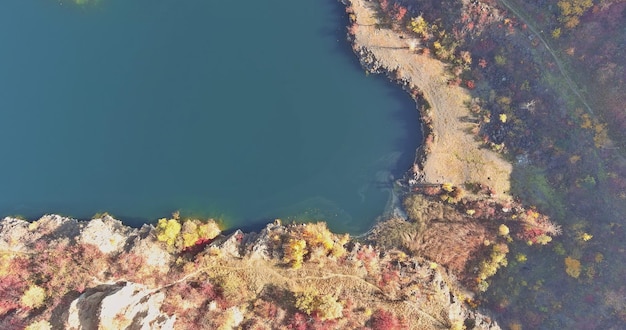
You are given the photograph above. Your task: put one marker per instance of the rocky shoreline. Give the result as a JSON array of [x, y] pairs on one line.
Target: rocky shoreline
[[100, 273], [449, 154]]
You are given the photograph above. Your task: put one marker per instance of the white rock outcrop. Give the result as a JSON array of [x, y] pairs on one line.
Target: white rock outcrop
[[118, 306], [107, 234]]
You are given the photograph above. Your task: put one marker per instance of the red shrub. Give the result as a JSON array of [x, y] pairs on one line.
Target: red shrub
[[11, 290], [298, 322], [399, 12], [389, 276], [431, 190], [384, 320]]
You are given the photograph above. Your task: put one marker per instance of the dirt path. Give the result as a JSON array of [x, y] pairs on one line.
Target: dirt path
[[531, 26], [426, 315], [455, 157]]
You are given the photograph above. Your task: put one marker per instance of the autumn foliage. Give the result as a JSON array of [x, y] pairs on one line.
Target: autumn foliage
[[180, 235], [385, 320], [572, 10], [312, 242]]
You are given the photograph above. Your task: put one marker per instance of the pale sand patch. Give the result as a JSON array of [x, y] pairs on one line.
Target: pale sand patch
[[455, 156]]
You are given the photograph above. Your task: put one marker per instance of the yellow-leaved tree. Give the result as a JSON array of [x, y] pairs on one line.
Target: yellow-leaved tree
[[325, 306], [420, 27], [294, 251], [34, 297], [168, 230], [180, 235], [572, 10]]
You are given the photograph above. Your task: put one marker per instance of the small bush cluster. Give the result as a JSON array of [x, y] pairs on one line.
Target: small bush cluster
[[33, 297], [36, 282], [312, 242], [180, 235], [323, 306], [451, 194], [490, 266], [537, 228], [294, 251], [385, 320], [572, 267], [39, 325]]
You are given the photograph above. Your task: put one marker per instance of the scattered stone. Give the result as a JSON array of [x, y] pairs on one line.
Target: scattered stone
[[119, 306]]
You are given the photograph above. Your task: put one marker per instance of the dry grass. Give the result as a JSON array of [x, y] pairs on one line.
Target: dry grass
[[440, 233], [344, 282], [455, 157]]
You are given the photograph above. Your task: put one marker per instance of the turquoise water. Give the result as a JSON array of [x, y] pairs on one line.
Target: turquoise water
[[242, 112]]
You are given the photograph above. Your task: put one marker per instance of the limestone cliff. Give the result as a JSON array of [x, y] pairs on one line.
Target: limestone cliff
[[58, 272]]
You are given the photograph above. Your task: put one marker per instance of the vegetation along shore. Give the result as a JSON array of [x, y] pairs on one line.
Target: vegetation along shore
[[512, 213]]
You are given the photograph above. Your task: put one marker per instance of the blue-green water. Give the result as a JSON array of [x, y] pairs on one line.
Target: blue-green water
[[245, 112]]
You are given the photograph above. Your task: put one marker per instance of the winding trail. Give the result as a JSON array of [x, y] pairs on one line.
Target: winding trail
[[530, 24], [267, 273]]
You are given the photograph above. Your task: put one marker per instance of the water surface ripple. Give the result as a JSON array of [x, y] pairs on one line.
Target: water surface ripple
[[248, 113]]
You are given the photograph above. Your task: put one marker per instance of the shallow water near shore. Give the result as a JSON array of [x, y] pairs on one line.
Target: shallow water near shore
[[245, 113]]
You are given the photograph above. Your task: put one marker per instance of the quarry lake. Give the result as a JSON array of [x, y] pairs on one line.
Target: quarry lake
[[245, 111]]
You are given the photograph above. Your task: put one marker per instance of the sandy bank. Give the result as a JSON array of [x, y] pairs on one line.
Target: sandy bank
[[452, 155]]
